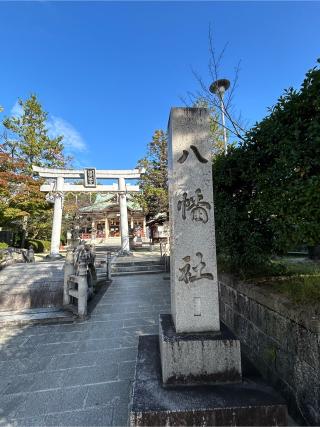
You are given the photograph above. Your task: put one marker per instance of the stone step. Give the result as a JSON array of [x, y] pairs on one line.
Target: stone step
[[101, 277], [134, 263], [72, 308], [101, 273], [132, 268], [135, 273], [34, 316]]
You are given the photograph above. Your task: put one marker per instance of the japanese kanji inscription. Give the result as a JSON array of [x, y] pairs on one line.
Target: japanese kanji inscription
[[198, 208]]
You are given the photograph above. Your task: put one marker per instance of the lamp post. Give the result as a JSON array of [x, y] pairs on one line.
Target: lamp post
[[219, 87]]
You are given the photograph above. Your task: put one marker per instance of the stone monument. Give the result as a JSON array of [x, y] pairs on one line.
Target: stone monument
[[194, 282], [197, 380]]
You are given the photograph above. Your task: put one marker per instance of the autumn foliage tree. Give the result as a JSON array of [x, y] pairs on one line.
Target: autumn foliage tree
[[24, 143]]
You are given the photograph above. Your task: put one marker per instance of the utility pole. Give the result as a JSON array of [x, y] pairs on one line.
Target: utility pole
[[219, 88]]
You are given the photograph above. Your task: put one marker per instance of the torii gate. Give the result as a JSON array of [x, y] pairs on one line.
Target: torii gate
[[89, 177]]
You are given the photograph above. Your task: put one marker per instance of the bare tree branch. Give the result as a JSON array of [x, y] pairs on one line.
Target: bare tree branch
[[234, 126]]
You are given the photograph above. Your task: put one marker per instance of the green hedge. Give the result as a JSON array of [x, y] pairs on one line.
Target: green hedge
[[3, 245], [267, 189]]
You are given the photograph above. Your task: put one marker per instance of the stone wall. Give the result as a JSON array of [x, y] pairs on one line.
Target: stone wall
[[281, 341], [31, 286]]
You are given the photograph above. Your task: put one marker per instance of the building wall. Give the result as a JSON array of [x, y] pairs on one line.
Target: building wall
[[109, 225], [283, 343]]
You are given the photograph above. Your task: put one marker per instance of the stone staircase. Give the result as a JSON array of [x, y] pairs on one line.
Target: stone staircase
[[130, 268]]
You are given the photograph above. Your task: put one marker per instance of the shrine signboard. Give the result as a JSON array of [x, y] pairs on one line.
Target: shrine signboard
[[90, 177]]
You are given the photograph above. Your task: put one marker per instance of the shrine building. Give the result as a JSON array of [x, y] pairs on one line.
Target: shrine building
[[104, 217]]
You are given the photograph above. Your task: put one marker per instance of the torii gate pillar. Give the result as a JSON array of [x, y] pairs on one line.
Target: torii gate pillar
[[125, 247], [57, 219]]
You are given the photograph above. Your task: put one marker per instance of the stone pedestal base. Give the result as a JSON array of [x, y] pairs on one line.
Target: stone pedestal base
[[198, 358], [123, 253], [251, 403], [53, 257]]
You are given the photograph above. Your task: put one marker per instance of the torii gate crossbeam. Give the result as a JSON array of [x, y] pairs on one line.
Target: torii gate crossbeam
[[59, 187]]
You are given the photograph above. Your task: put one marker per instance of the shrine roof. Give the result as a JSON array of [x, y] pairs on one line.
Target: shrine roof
[[107, 201]]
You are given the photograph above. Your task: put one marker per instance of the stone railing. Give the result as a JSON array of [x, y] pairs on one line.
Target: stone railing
[[165, 254], [79, 278], [108, 266], [104, 268]]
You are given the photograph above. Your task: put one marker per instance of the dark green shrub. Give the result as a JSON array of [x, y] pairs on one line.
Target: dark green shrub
[[39, 246], [267, 190]]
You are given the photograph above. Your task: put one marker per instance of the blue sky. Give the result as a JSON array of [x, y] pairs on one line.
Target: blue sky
[[109, 72]]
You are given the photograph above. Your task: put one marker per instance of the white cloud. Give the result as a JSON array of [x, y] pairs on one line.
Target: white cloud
[[72, 140], [16, 110]]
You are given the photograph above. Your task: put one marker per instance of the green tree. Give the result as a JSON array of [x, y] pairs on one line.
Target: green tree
[[154, 182], [25, 143], [27, 139]]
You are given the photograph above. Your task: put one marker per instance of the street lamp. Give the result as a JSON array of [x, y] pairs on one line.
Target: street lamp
[[219, 87]]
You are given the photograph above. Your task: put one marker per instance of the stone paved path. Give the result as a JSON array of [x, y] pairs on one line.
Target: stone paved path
[[80, 373]]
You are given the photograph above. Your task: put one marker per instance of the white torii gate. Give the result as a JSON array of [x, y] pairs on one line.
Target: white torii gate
[[89, 176]]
